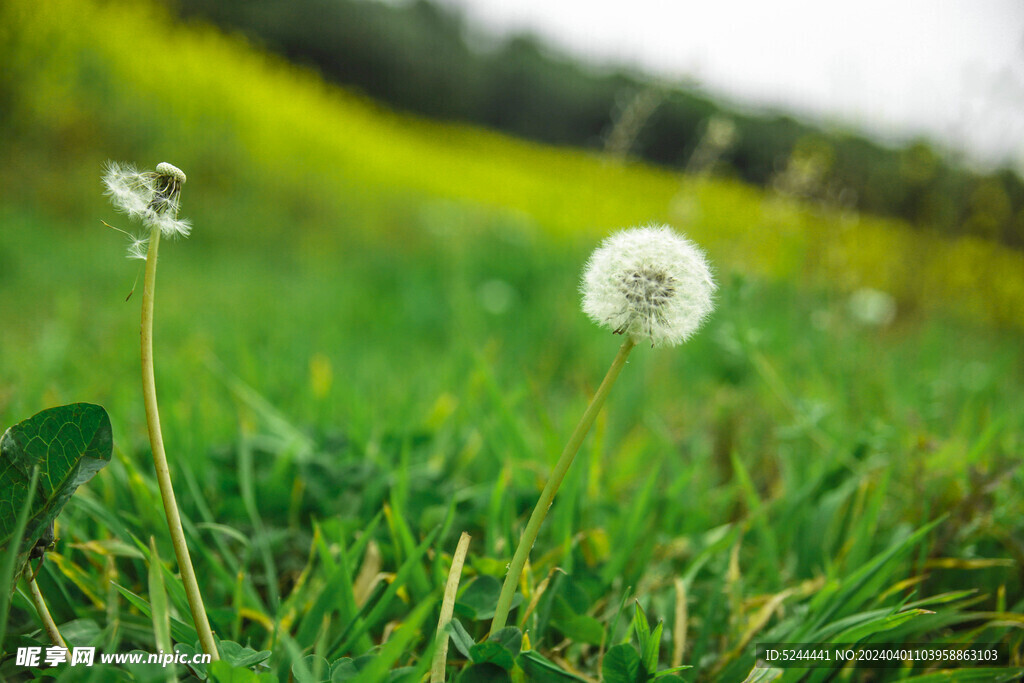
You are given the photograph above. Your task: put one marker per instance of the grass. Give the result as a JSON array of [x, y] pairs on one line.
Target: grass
[[764, 464], [367, 349]]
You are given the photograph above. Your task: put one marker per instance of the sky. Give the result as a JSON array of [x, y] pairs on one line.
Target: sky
[[951, 70]]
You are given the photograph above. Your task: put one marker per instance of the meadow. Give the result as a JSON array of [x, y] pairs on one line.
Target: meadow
[[372, 342]]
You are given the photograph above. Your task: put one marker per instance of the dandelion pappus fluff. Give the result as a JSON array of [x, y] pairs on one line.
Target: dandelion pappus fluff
[[150, 197], [650, 283]]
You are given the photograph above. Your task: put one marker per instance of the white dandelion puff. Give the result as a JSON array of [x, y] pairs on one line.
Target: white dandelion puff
[[650, 283], [872, 307], [150, 197]]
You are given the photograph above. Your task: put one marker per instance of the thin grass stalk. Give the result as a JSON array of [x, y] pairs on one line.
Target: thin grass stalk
[[679, 624], [163, 473], [448, 608], [515, 568]]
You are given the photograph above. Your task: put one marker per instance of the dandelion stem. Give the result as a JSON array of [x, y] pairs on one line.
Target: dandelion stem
[[515, 568], [163, 473], [44, 613]]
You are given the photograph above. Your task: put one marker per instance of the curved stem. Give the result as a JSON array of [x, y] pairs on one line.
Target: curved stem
[[44, 613], [515, 568], [163, 473], [447, 609]]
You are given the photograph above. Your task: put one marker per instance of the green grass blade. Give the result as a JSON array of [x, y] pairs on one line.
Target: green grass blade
[[180, 631], [383, 603], [419, 584], [158, 605], [397, 645], [856, 588], [10, 561], [247, 485]]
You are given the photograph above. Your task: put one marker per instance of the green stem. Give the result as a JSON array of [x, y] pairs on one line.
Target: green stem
[[163, 473], [44, 613], [515, 568]]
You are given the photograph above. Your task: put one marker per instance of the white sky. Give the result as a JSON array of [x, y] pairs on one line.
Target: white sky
[[951, 69]]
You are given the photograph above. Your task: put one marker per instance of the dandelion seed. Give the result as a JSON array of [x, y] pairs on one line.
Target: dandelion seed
[[171, 226], [648, 283], [137, 249]]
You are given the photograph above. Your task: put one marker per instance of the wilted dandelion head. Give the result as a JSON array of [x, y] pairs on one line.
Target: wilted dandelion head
[[649, 283], [151, 197]]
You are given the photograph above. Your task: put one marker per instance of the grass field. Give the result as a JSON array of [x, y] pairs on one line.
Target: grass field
[[373, 342]]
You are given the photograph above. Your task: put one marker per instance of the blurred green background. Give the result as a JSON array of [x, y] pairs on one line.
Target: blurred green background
[[390, 302]]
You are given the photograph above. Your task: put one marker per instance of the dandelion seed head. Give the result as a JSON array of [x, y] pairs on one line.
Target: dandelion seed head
[[152, 198], [650, 283], [166, 169]]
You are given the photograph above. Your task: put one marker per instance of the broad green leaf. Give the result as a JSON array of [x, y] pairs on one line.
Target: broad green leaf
[[622, 665], [200, 670], [577, 627], [224, 672], [484, 673], [316, 669], [239, 655], [539, 669], [343, 670], [580, 591], [490, 652], [69, 444], [480, 597], [461, 639], [347, 669], [509, 638]]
